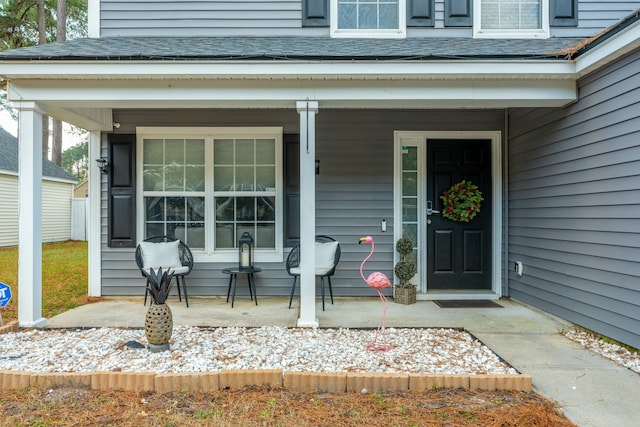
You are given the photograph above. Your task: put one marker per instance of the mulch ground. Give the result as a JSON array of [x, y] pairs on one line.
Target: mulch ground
[[276, 407]]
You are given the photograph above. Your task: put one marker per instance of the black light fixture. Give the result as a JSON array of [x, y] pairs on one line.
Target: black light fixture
[[245, 252], [317, 167], [103, 165]]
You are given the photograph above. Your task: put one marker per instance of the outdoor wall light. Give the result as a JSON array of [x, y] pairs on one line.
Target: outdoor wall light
[[103, 165], [317, 167]]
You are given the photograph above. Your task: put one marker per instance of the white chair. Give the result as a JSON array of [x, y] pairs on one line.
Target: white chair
[[168, 253], [327, 258]]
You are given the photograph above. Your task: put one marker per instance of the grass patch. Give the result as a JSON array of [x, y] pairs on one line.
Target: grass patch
[[64, 278]]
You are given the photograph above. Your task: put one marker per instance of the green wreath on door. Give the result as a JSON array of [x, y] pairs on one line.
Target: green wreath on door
[[461, 202]]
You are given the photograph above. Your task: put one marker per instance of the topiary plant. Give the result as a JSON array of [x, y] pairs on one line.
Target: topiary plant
[[405, 269]]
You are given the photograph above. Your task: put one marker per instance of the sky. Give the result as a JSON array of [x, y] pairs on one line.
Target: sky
[[7, 123], [10, 125]]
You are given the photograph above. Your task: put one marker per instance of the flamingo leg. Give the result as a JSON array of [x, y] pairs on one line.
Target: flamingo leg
[[373, 345]]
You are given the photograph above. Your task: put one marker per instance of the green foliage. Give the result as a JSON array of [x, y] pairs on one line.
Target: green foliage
[[19, 28], [405, 269], [404, 246], [75, 160], [19, 22], [160, 283], [203, 414]]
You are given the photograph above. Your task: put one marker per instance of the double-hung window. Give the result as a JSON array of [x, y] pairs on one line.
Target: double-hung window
[[511, 18], [207, 186], [368, 18]]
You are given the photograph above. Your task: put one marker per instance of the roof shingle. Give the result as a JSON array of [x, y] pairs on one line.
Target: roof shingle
[[9, 158], [292, 48]]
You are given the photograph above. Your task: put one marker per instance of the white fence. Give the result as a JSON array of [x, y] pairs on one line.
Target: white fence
[[79, 220]]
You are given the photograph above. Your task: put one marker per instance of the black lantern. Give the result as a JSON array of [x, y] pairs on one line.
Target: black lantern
[[245, 249], [103, 165]]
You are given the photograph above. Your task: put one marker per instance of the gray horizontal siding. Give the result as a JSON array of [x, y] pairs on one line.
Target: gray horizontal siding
[[201, 18], [284, 18], [574, 204], [354, 190]]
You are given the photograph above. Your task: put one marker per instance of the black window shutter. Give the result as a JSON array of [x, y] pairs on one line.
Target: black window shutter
[[458, 13], [564, 13], [315, 13], [292, 189], [122, 191], [420, 13]]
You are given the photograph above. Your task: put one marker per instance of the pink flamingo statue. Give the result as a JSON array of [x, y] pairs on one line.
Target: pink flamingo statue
[[377, 281]]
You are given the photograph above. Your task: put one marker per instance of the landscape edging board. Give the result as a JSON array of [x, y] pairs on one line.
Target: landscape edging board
[[299, 381]]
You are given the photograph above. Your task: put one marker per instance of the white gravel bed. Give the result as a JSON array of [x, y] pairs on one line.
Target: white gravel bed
[[615, 352], [435, 350]]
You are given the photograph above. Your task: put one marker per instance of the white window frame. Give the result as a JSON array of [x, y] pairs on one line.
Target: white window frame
[[398, 33], [208, 254], [542, 32]]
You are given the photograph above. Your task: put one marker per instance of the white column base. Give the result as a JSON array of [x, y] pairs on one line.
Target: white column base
[[302, 323], [35, 324]]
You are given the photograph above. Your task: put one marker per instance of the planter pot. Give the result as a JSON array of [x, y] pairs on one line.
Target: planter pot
[[158, 326], [404, 295]]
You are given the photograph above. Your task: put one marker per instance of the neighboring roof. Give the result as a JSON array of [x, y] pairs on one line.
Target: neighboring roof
[[293, 48], [9, 158]]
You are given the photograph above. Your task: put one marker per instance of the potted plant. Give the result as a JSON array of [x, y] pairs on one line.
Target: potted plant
[[158, 323], [405, 269]]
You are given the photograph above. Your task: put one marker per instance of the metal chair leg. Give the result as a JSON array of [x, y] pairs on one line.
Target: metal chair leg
[[184, 288], [229, 288], [146, 292], [293, 289]]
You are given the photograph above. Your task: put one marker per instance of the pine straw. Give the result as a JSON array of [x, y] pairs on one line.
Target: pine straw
[[277, 407]]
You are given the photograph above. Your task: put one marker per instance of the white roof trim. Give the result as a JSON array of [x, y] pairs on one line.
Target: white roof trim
[[480, 93], [609, 50], [287, 70]]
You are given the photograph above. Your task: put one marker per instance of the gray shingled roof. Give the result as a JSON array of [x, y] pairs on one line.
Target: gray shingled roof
[[293, 48], [9, 158]]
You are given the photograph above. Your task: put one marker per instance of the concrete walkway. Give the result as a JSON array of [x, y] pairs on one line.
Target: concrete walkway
[[591, 390]]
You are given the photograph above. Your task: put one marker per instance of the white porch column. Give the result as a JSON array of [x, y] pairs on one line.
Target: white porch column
[[93, 227], [30, 216], [307, 111]]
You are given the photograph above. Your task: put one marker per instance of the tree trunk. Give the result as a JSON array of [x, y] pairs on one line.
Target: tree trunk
[[42, 35], [56, 145], [61, 30], [45, 137]]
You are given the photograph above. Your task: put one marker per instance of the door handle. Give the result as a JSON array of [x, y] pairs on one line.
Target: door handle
[[430, 210]]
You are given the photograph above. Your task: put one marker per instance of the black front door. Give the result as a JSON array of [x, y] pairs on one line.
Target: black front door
[[459, 253]]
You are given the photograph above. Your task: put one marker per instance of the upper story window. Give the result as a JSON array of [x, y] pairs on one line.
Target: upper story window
[[511, 18], [368, 18]]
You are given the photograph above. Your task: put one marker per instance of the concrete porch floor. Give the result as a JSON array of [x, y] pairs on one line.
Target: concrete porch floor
[[591, 390]]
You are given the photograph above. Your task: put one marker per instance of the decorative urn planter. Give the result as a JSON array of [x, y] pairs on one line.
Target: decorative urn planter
[[158, 323], [158, 326]]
